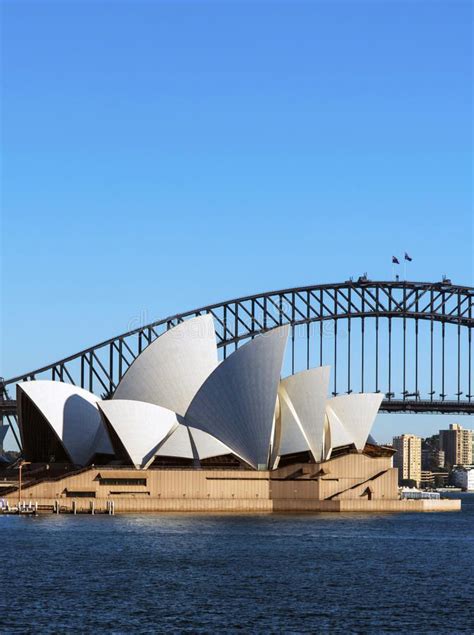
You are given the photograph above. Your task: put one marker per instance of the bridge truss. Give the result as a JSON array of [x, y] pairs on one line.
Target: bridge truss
[[409, 340]]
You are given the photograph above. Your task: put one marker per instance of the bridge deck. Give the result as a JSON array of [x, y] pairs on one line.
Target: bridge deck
[[9, 407]]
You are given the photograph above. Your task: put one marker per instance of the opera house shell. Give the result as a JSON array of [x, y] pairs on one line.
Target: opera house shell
[[177, 405]]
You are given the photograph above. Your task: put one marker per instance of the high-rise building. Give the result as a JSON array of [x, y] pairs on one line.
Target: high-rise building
[[456, 444], [432, 458], [408, 457]]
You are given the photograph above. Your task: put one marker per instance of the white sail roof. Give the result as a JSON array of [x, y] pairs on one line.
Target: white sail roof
[[141, 427], [72, 414], [356, 414], [336, 434], [303, 398], [291, 439], [236, 404], [102, 443], [171, 369], [178, 444], [187, 442]]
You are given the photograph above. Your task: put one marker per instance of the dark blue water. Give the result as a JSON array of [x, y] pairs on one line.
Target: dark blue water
[[337, 573]]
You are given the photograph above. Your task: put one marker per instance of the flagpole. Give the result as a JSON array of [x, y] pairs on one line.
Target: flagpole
[[406, 259], [395, 261]]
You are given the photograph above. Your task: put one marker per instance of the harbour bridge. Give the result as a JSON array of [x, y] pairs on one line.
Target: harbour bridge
[[410, 340]]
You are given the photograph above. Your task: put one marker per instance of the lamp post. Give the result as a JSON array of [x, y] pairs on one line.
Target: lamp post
[[20, 468]]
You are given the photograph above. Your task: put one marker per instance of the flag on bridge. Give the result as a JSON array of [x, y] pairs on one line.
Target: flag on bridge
[[407, 257], [395, 260]]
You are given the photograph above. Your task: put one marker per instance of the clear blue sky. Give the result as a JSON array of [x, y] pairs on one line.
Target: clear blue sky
[[159, 156]]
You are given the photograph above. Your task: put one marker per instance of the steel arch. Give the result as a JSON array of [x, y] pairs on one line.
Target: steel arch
[[100, 367]]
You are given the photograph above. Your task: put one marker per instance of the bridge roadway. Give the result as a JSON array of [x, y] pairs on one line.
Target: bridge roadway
[[435, 406]]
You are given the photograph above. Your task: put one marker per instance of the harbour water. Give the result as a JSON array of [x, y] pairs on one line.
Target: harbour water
[[190, 573]]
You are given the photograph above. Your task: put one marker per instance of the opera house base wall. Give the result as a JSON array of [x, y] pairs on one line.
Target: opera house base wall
[[209, 506], [349, 483]]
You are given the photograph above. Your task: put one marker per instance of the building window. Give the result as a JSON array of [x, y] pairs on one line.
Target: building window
[[132, 493], [72, 494], [122, 481]]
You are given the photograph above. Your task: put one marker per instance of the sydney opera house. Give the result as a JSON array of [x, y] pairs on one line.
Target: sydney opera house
[[185, 431]]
